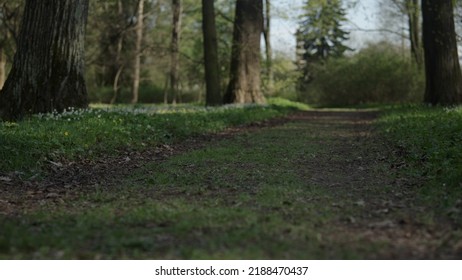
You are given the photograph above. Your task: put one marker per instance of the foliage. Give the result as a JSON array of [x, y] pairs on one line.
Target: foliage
[[285, 76], [321, 30], [28, 145], [377, 74], [281, 102], [319, 37], [428, 139]]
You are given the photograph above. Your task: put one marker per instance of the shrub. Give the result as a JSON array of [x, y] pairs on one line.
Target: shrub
[[377, 74]]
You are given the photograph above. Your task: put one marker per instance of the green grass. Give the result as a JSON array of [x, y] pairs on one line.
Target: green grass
[[242, 198], [28, 145], [430, 142], [249, 197]]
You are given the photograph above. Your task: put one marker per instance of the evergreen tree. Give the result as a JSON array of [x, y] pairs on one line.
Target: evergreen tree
[[320, 35]]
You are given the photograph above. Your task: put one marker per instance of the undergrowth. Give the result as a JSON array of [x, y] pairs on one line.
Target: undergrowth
[[429, 140], [51, 138]]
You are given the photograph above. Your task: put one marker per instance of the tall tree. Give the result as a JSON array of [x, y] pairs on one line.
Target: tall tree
[[245, 79], [320, 35], [138, 45], [212, 71], [48, 68], [442, 69], [175, 50]]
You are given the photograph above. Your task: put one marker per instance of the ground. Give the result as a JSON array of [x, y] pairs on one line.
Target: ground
[[319, 184]]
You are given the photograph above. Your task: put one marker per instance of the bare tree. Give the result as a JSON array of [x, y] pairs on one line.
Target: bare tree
[[48, 68]]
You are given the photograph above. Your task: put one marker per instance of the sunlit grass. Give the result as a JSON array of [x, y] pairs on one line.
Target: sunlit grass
[[27, 145]]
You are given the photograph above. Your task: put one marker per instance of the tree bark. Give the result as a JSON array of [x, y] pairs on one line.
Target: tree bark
[[175, 51], [245, 78], [2, 67], [118, 65], [138, 45], [268, 47], [48, 68], [442, 69], [212, 71]]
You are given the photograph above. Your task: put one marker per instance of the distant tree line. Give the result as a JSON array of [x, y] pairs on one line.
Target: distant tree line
[[431, 33], [52, 59]]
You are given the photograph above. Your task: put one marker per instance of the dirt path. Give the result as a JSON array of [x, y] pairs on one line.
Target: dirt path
[[375, 204], [318, 184]]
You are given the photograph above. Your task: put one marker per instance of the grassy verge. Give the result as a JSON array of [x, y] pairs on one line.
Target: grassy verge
[[429, 141], [27, 145]]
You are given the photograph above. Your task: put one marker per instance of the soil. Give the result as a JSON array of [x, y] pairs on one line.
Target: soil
[[373, 200]]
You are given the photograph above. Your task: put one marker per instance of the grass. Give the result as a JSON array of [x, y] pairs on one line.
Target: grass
[[249, 197], [241, 198], [429, 141], [28, 145]]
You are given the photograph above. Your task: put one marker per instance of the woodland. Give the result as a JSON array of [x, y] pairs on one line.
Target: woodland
[[173, 129]]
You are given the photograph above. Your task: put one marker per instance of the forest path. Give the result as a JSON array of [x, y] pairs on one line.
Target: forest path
[[372, 202], [319, 185]]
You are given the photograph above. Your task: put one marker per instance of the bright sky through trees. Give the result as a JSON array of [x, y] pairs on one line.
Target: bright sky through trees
[[285, 23]]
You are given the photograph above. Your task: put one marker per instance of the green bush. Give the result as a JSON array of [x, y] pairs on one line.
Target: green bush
[[285, 78], [377, 74]]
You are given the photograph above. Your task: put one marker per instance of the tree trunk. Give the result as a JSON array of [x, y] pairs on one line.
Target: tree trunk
[[138, 45], [268, 47], [245, 80], [119, 66], [2, 67], [212, 71], [175, 51], [443, 74], [48, 68], [413, 9]]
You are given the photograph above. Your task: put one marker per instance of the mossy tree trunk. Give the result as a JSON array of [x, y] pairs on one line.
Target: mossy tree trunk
[[48, 68], [442, 69], [245, 77]]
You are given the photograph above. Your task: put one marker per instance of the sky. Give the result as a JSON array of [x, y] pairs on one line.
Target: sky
[[285, 22]]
